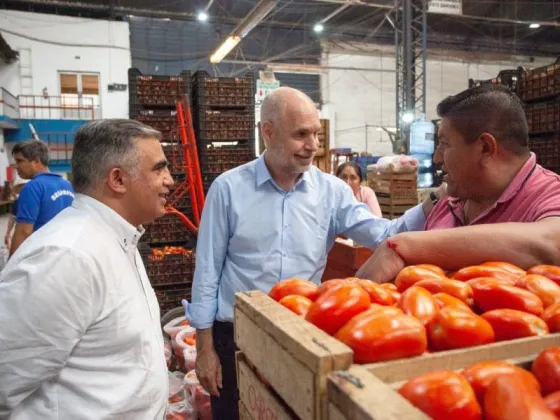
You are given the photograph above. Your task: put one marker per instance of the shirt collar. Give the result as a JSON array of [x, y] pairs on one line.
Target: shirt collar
[[127, 235], [263, 175]]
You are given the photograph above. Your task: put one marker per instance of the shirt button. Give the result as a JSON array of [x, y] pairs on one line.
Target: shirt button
[[286, 225], [284, 254]]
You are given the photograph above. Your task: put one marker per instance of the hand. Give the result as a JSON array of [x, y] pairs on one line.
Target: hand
[[209, 370], [7, 240], [383, 266]]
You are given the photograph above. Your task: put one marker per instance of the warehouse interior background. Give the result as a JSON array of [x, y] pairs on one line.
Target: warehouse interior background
[[69, 52]]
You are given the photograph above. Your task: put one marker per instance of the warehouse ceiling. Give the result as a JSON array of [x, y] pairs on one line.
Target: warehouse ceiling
[[493, 23]]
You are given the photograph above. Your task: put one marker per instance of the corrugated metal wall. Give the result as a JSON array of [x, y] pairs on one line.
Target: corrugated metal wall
[[169, 47]]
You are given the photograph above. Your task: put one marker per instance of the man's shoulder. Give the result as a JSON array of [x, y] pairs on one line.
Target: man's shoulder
[[233, 177]]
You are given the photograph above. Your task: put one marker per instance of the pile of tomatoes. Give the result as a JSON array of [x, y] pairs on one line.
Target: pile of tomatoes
[[493, 390], [427, 310], [170, 250]]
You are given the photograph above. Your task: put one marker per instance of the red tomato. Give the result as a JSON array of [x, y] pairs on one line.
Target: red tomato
[[191, 341], [547, 290], [396, 296], [376, 335], [336, 306], [486, 280], [419, 303], [390, 286], [455, 288], [550, 271], [434, 268], [377, 294], [546, 368], [510, 268], [444, 299], [476, 271], [443, 395], [501, 296], [456, 328], [551, 316], [329, 284], [408, 276], [293, 287], [184, 323], [552, 401], [509, 397], [482, 374], [299, 305], [387, 310], [509, 324]]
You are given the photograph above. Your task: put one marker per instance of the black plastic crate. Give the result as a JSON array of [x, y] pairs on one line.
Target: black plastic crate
[[223, 92], [216, 160], [540, 83], [207, 179], [168, 229], [224, 125], [154, 91], [170, 269], [543, 117], [169, 297], [163, 120], [547, 150]]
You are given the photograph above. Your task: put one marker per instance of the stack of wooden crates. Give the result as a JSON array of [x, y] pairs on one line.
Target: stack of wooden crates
[[396, 192], [322, 157]]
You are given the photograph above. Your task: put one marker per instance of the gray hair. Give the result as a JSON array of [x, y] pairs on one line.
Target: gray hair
[[102, 145], [33, 150]]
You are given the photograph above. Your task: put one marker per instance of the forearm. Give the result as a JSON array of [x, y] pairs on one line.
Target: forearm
[[204, 339], [19, 237], [523, 244]]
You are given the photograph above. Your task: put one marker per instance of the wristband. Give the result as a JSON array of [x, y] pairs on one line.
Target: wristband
[[393, 246]]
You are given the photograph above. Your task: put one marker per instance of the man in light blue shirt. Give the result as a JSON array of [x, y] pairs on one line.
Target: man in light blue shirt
[[268, 220]]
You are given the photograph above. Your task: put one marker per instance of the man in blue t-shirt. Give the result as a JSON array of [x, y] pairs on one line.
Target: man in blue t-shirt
[[43, 197]]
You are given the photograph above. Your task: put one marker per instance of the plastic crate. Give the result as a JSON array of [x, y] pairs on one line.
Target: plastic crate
[[224, 125], [223, 92], [509, 78], [547, 150], [542, 82], [216, 160], [171, 269], [170, 297], [151, 91], [168, 229], [163, 120], [175, 156], [207, 180], [543, 117]]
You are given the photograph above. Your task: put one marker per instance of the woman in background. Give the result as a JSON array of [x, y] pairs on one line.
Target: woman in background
[[351, 173]]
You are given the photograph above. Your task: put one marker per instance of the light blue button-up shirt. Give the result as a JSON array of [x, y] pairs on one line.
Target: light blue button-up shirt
[[254, 234]]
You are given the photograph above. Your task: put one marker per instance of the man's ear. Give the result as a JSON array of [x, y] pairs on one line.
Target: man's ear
[[267, 130], [489, 146], [116, 180]]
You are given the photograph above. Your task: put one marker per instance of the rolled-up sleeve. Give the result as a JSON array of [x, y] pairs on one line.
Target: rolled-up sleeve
[[47, 300], [355, 221], [211, 249]]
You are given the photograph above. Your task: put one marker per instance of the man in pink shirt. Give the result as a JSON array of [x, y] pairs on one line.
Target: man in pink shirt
[[501, 204]]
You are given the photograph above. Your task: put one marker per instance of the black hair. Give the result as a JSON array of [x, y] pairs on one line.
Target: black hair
[[492, 109], [33, 150], [352, 164]]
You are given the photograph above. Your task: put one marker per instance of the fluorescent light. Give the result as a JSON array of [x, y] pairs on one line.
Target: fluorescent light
[[408, 117], [318, 28], [534, 25], [202, 17], [224, 49]]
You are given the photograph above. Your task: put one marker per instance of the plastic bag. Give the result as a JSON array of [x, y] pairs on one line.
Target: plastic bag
[[184, 339], [176, 387], [180, 411], [173, 327], [197, 396], [395, 164], [168, 352], [189, 356]]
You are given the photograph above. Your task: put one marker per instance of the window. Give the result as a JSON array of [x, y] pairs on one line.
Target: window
[[79, 95]]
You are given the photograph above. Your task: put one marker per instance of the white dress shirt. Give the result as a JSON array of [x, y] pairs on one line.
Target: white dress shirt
[[80, 334]]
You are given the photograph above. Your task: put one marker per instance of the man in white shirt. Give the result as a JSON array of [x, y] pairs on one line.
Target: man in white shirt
[[80, 334]]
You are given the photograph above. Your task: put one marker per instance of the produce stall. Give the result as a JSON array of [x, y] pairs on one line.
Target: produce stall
[[292, 365]]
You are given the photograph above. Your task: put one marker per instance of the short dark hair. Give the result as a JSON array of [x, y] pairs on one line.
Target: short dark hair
[[492, 109], [33, 150], [105, 144], [352, 164]]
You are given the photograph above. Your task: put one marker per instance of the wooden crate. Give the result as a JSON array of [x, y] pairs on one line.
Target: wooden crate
[[399, 186], [323, 163], [391, 200], [324, 138], [311, 374]]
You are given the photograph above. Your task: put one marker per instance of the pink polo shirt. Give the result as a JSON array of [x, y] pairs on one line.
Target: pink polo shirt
[[532, 195]]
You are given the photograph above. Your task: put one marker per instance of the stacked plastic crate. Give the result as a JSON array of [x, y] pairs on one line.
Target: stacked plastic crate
[[224, 122], [540, 90], [170, 258]]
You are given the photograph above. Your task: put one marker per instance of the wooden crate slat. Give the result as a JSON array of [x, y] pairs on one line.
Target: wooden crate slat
[[373, 400], [258, 400], [243, 412], [399, 370]]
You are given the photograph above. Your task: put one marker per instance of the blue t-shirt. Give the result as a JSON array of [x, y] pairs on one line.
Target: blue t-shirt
[[42, 198]]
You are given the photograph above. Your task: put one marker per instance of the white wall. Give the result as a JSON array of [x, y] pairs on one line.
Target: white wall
[[61, 43], [360, 98]]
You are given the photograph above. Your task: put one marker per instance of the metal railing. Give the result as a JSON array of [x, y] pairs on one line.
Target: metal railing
[[60, 146], [9, 105], [66, 107]]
